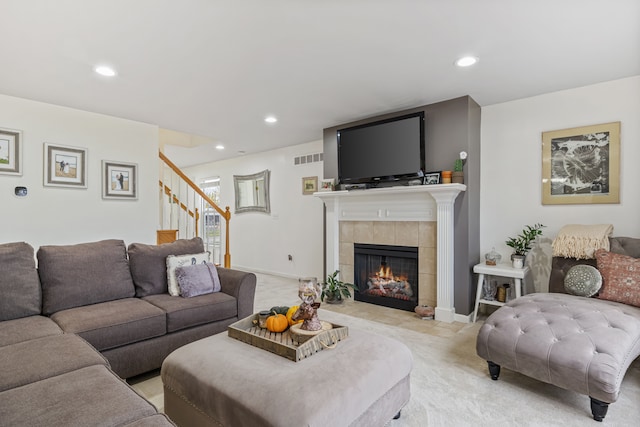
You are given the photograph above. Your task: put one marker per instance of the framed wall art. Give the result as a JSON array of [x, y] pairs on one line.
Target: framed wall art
[[119, 180], [431, 178], [581, 165], [10, 152], [309, 185], [65, 166]]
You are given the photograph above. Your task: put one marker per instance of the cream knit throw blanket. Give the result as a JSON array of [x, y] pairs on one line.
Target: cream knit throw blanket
[[581, 241]]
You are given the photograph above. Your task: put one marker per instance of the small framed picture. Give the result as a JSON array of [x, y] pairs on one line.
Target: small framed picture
[[309, 185], [327, 184], [10, 152], [65, 166], [119, 180], [431, 178]]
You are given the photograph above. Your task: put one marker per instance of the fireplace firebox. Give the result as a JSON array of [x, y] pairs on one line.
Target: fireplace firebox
[[386, 275]]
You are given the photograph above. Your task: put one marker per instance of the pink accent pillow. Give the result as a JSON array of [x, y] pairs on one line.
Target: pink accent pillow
[[620, 277]]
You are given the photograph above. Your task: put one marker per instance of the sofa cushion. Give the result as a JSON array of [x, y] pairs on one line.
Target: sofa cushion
[[82, 274], [27, 328], [184, 313], [91, 396], [620, 277], [114, 323], [198, 279], [149, 263], [20, 294], [45, 358], [175, 261]]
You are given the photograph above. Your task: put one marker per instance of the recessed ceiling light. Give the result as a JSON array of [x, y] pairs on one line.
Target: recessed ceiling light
[[103, 70], [466, 61], [270, 119], [219, 147]]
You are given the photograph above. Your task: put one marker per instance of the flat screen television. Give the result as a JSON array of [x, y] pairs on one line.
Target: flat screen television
[[386, 150]]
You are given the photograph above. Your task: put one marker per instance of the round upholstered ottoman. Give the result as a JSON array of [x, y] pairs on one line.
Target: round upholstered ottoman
[[577, 343], [363, 381]]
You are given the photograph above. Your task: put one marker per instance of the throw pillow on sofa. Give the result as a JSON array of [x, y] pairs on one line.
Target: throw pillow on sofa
[[20, 294], [620, 277], [583, 280], [149, 263], [197, 279], [174, 261]]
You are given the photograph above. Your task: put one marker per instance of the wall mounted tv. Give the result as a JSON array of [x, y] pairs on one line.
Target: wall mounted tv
[[385, 150]]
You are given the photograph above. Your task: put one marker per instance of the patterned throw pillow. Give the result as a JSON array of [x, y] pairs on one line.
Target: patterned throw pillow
[[620, 277], [174, 261], [582, 280]]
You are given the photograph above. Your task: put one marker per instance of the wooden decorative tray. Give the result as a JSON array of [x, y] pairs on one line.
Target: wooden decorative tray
[[283, 343]]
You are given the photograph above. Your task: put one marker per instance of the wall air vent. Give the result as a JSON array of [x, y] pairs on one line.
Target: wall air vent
[[309, 158]]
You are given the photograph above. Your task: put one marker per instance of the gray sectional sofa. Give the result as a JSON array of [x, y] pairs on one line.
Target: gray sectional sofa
[[88, 316]]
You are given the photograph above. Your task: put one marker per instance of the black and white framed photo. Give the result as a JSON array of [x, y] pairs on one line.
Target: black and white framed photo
[[65, 166], [10, 152], [431, 178], [119, 180], [581, 165]]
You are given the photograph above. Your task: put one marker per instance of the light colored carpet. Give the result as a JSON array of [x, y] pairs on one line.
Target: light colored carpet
[[450, 385]]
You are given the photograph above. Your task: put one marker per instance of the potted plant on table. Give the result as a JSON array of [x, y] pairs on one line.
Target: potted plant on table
[[522, 243], [336, 290]]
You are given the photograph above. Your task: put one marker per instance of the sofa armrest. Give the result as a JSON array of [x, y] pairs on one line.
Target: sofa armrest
[[242, 286]]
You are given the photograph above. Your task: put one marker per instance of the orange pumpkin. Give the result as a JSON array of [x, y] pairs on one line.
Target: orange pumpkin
[[277, 323]]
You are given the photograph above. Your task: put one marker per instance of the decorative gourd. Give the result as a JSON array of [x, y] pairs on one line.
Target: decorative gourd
[[279, 309], [277, 323], [292, 310]]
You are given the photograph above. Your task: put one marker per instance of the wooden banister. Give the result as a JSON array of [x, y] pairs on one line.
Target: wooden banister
[[226, 214]]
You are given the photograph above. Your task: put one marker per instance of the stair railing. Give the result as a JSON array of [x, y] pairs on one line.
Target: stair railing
[[186, 220]]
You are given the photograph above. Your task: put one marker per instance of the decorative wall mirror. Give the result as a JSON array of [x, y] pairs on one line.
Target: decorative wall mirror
[[252, 192]]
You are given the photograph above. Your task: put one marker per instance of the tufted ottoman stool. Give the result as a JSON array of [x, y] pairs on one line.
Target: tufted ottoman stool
[[580, 344], [220, 381]]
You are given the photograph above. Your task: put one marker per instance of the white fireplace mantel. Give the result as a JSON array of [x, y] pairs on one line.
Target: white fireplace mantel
[[406, 203]]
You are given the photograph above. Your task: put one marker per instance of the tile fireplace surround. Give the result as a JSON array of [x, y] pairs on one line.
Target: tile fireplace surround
[[420, 216]]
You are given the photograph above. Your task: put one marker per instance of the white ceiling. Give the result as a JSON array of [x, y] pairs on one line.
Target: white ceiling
[[216, 68]]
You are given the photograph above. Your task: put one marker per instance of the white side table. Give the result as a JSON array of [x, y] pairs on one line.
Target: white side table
[[502, 270]]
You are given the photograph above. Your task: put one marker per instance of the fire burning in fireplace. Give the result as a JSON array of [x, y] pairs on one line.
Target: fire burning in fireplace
[[385, 283]]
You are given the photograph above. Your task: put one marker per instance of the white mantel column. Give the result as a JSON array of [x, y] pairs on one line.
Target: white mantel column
[[445, 200]]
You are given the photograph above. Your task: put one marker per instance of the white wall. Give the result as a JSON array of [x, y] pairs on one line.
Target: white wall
[[259, 241], [54, 215], [512, 161]]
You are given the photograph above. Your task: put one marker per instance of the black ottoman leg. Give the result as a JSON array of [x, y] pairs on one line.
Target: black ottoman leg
[[397, 415], [598, 409], [494, 370]]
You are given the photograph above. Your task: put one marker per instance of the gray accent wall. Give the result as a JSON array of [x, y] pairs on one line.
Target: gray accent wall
[[450, 127]]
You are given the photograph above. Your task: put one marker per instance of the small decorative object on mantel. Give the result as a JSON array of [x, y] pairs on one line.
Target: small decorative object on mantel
[[458, 174], [493, 257], [327, 184], [522, 243], [431, 178], [446, 177]]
